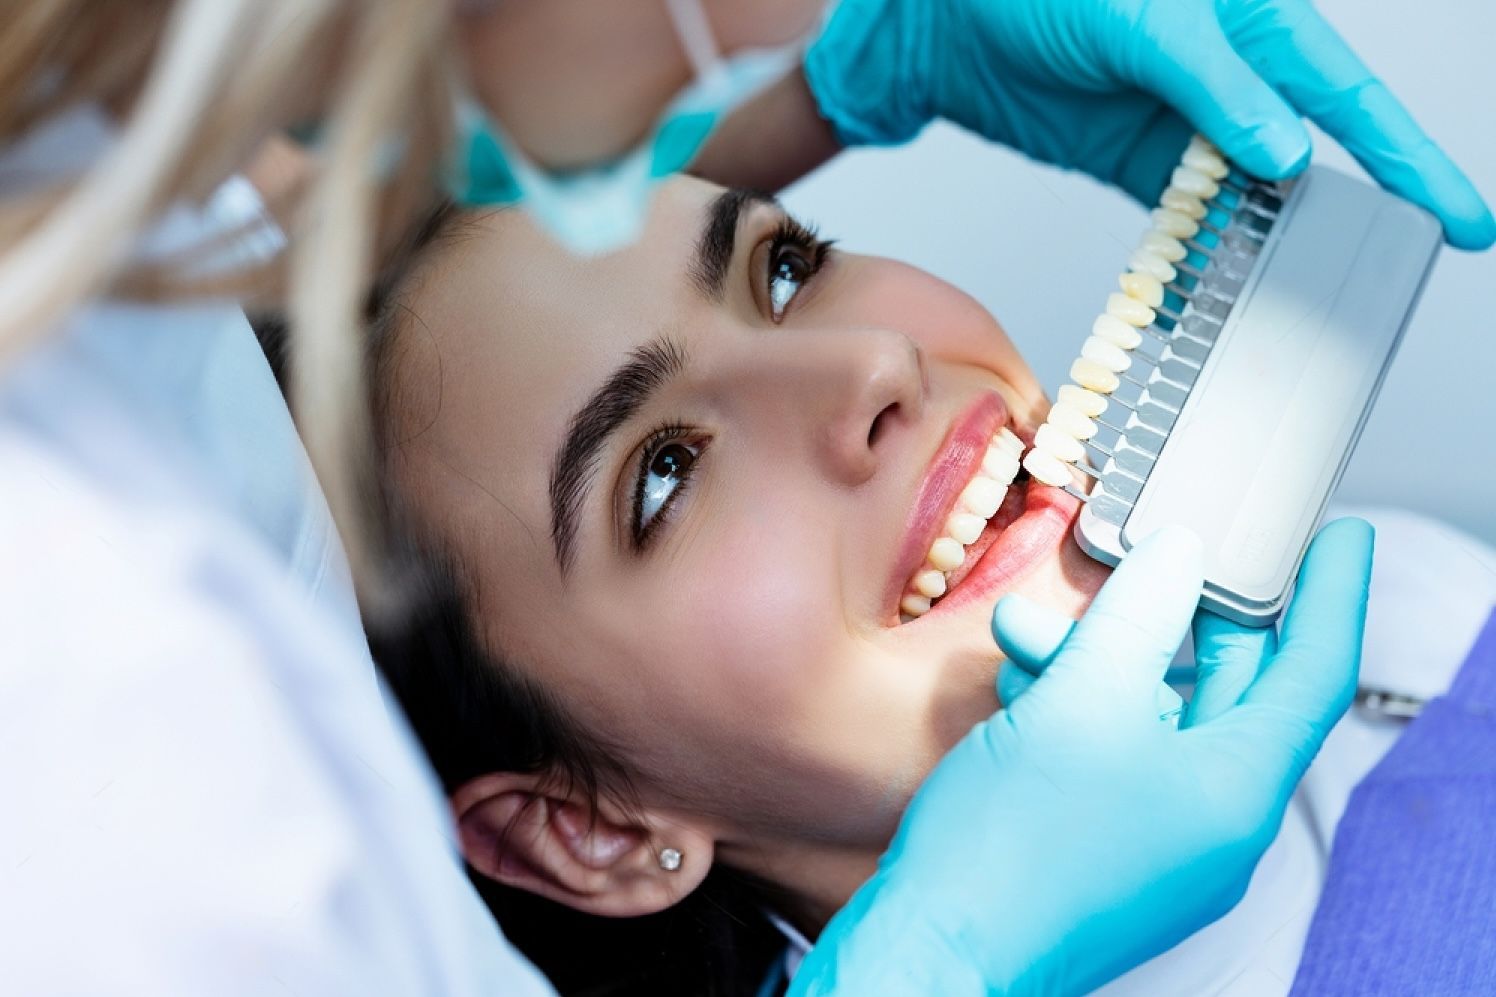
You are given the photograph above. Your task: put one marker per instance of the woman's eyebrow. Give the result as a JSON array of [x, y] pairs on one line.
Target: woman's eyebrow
[[626, 390], [719, 236]]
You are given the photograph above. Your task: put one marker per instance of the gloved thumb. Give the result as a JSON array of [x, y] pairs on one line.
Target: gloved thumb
[[1028, 634]]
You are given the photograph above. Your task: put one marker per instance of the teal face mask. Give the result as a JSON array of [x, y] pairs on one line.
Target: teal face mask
[[602, 208]]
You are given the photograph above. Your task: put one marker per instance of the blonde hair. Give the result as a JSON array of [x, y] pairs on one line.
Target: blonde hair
[[199, 84]]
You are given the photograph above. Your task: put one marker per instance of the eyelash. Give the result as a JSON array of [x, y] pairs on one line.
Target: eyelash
[[791, 233], [657, 440], [788, 234]]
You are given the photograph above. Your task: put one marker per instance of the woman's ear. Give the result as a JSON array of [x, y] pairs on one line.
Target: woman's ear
[[533, 832]]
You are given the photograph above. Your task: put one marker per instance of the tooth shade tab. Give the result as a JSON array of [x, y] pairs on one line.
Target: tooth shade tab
[[1129, 310], [1047, 468], [1142, 287], [1201, 143], [1090, 374], [1097, 349], [1071, 421], [1147, 261], [1088, 403], [1183, 202], [964, 528], [1206, 160], [1192, 181], [1000, 465], [1115, 331], [1053, 441], [982, 496], [1164, 245], [930, 583], [1169, 222], [914, 605]]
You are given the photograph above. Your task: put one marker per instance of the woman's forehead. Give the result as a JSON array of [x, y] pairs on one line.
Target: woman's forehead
[[508, 334]]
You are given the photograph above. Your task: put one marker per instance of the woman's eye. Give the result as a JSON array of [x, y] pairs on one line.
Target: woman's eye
[[664, 469], [789, 269]]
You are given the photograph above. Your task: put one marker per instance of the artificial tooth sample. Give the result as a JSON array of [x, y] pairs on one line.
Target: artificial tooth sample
[[1170, 222], [1071, 421], [1090, 374], [1117, 332], [946, 554], [964, 528], [1047, 468], [982, 496], [914, 605], [1100, 351], [1183, 202], [1052, 441], [1205, 159], [1170, 248], [1147, 261], [930, 583], [1192, 181], [1088, 403], [1129, 310], [1143, 287]]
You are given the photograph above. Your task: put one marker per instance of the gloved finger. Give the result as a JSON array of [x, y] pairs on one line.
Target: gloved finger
[[1124, 643], [1028, 634], [1228, 657], [1205, 79], [1319, 74], [1012, 682], [1313, 675]]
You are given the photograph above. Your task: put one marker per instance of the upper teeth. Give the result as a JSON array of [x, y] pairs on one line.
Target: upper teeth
[[1059, 442], [978, 502]]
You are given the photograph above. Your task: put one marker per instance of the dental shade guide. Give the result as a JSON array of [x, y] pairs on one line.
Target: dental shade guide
[[1225, 386]]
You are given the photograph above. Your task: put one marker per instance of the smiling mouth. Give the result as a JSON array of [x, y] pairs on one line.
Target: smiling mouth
[[985, 506]]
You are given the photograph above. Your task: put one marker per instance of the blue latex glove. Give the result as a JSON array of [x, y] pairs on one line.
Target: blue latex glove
[[1073, 835], [1114, 87]]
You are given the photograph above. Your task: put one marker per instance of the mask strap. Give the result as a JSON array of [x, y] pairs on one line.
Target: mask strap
[[695, 34]]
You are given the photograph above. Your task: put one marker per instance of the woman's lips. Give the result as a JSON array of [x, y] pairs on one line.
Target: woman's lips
[[1047, 516], [949, 470]]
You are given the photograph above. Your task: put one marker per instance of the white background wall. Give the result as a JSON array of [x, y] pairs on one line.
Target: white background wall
[[1041, 249]]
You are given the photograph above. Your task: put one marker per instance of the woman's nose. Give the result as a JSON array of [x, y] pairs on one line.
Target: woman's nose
[[869, 383]]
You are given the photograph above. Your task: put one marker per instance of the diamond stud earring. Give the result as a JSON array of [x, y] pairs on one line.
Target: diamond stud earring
[[670, 859]]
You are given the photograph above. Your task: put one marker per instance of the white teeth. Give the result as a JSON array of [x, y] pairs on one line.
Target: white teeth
[[1000, 465], [1113, 359], [1115, 331], [1166, 246], [1205, 159], [1183, 202], [1009, 441], [1147, 261], [914, 605], [1129, 310], [1071, 421], [1047, 468], [1090, 374], [982, 496], [1171, 222], [1088, 403], [1051, 440], [964, 528], [1192, 181], [946, 554], [1143, 287], [930, 583]]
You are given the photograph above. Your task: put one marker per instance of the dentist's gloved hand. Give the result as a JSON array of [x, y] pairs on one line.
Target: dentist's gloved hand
[[1115, 87], [1074, 835]]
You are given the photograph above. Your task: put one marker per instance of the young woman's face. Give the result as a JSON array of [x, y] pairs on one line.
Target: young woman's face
[[692, 481]]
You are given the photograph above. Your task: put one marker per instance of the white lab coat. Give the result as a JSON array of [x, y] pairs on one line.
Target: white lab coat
[[203, 789]]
